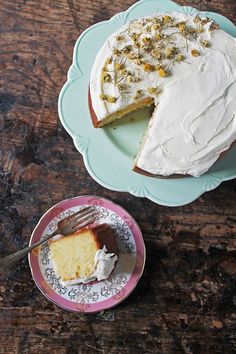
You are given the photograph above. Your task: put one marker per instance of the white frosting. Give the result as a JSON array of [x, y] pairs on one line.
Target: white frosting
[[104, 263], [195, 116]]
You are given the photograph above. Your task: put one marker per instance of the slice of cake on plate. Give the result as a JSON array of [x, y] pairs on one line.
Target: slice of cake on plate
[[186, 67], [86, 255]]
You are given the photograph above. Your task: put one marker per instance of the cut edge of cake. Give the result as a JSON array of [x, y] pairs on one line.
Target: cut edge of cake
[[146, 102]]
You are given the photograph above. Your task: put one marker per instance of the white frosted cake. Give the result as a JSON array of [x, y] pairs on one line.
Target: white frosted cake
[[186, 67]]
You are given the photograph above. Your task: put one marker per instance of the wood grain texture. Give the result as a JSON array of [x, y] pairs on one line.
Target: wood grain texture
[[185, 301]]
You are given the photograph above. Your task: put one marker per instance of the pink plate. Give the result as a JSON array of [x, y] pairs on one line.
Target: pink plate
[[95, 296]]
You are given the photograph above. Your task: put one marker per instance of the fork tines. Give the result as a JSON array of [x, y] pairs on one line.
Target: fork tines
[[84, 217]]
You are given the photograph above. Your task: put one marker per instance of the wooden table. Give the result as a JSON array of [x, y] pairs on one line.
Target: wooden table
[[185, 301]]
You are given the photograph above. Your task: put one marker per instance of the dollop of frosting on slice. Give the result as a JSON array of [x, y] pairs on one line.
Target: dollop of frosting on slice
[[104, 263]]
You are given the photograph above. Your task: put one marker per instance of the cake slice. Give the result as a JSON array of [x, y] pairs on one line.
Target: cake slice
[[86, 255]]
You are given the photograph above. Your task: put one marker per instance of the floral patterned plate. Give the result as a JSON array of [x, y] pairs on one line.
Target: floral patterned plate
[[95, 296]]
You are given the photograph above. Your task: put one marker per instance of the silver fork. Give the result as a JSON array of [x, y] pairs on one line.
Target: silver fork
[[65, 227]]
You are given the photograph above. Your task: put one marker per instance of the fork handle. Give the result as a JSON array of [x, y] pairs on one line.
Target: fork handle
[[7, 261]]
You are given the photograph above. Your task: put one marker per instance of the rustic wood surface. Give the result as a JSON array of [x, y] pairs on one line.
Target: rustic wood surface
[[186, 299]]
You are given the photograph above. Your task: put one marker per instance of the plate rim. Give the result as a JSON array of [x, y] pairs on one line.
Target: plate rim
[[132, 286], [138, 188]]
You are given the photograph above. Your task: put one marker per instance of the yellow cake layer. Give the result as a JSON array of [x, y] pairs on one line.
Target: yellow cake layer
[[73, 256], [148, 101]]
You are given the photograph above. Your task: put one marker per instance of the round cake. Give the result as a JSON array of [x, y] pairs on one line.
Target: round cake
[[185, 66]]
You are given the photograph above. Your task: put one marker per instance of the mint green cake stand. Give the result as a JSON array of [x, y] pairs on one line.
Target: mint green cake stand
[[108, 153]]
